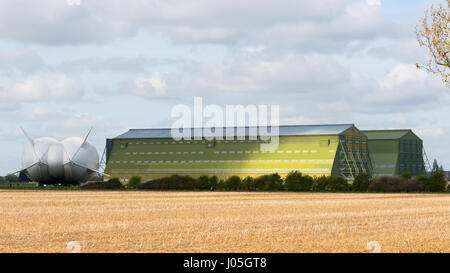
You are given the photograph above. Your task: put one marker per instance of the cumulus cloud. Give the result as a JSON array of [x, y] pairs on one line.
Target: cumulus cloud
[[199, 21], [149, 87], [313, 83], [40, 113], [287, 74], [7, 105], [62, 123], [80, 122], [407, 85], [438, 132], [373, 2], [37, 88], [117, 64], [433, 139], [43, 87], [404, 50], [56, 22], [254, 49], [20, 61], [357, 24]]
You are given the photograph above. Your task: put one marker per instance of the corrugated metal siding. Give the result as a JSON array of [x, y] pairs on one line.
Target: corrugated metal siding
[[286, 130], [394, 152]]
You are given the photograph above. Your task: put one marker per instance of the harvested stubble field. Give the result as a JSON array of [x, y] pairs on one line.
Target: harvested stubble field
[[45, 221]]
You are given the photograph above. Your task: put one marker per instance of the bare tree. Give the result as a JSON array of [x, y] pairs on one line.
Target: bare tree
[[433, 33]]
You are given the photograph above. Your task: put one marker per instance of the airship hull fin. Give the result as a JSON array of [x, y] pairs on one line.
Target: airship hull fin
[[82, 144], [27, 136]]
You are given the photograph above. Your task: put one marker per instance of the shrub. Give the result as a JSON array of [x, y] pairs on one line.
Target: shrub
[[233, 183], [111, 184], [320, 184], [397, 184], [422, 178], [134, 182], [361, 182], [202, 183], [174, 182], [330, 183], [155, 184], [292, 180], [275, 183], [187, 183], [436, 183], [388, 184], [414, 185], [306, 183], [260, 181], [295, 181], [178, 182], [337, 183], [213, 181], [248, 183], [406, 175], [270, 182], [221, 185], [11, 178]]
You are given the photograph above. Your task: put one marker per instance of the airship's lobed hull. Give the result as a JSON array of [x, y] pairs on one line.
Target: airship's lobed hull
[[49, 161]]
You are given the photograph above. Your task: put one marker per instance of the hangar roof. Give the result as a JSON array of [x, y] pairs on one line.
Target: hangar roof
[[386, 134], [284, 130]]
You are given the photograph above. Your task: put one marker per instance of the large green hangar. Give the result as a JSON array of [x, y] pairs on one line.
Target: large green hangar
[[394, 152], [316, 150]]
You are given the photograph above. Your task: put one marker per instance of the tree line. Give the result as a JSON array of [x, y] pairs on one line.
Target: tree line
[[294, 181]]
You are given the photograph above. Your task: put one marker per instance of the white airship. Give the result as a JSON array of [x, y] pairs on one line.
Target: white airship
[[48, 161]]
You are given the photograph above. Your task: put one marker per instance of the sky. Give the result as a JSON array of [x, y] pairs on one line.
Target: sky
[[114, 65]]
